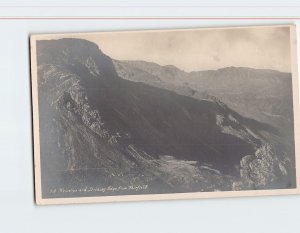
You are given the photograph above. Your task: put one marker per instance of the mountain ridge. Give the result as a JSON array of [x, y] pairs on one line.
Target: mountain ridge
[[256, 93], [196, 71]]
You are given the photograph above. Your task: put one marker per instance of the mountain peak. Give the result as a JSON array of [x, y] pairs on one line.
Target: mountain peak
[[69, 42], [76, 53], [243, 69]]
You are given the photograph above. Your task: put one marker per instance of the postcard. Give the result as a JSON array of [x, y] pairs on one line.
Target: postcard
[[165, 114]]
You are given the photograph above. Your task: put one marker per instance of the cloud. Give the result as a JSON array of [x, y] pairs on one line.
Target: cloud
[[216, 58]]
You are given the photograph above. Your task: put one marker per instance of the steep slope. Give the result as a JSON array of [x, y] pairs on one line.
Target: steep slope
[[264, 95], [99, 130]]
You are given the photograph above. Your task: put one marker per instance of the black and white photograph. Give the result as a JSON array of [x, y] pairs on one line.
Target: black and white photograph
[[165, 114]]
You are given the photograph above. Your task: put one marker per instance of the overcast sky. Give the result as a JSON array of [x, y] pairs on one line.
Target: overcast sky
[[192, 50]]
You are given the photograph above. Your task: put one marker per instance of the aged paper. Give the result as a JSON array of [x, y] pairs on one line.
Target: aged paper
[[166, 114]]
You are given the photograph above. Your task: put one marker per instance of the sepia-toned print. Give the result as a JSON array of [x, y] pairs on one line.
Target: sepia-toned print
[[166, 114]]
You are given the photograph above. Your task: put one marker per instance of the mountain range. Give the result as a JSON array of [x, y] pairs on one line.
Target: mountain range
[[137, 124], [264, 95]]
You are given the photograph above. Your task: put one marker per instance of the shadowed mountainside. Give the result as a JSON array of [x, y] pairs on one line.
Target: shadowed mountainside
[[264, 95]]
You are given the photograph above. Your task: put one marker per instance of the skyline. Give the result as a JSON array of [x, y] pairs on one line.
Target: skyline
[[261, 47], [196, 50]]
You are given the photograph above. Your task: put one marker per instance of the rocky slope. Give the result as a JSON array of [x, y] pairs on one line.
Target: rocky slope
[[99, 130]]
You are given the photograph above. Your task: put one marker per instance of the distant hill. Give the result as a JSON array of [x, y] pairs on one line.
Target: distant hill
[[264, 95]]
